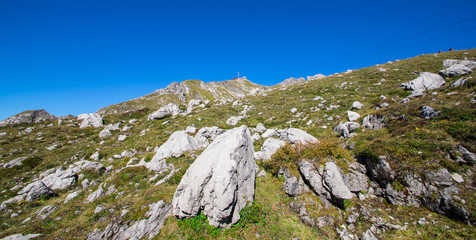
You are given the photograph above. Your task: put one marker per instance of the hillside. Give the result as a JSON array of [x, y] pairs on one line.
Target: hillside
[[399, 165], [181, 94]]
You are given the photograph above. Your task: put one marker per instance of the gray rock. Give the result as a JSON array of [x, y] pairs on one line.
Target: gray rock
[[105, 133], [270, 146], [269, 133], [380, 171], [21, 236], [291, 80], [425, 81], [221, 181], [260, 128], [457, 178], [428, 112], [58, 179], [14, 162], [315, 77], [357, 105], [393, 196], [414, 185], [468, 156], [451, 62], [460, 82], [456, 70], [32, 116], [312, 177], [207, 134], [352, 116], [34, 191], [294, 135], [292, 186], [90, 120], [440, 177], [345, 129], [368, 235], [177, 144], [334, 182], [373, 122], [45, 212], [356, 181], [71, 196], [232, 121], [169, 109], [96, 194]]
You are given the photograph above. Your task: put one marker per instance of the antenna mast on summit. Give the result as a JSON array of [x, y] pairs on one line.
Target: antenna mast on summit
[[238, 74]]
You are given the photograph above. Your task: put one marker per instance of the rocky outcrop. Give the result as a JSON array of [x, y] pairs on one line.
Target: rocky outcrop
[[315, 77], [32, 116], [352, 116], [326, 181], [207, 134], [169, 109], [294, 135], [334, 182], [452, 62], [373, 122], [221, 180], [468, 156], [292, 80], [146, 228], [14, 162], [90, 120], [428, 112], [269, 147], [425, 81], [456, 70], [34, 191], [346, 129], [58, 179]]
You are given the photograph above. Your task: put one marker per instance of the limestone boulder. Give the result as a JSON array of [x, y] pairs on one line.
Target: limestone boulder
[[334, 182], [270, 146], [220, 182], [425, 81], [90, 120]]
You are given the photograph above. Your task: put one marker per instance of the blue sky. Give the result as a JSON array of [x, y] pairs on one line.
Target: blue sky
[[72, 57]]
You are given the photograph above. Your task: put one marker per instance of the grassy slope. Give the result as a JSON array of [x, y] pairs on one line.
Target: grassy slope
[[406, 147]]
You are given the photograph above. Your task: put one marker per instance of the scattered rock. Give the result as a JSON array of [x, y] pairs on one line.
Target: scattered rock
[[468, 156], [269, 133], [207, 134], [373, 122], [357, 105], [260, 128], [458, 178], [352, 116], [312, 177], [71, 196], [105, 133], [292, 186], [232, 121], [460, 82], [428, 112], [451, 62], [292, 80], [169, 109], [345, 129], [221, 194], [21, 236], [45, 212], [33, 116], [14, 162], [90, 120], [34, 191], [121, 138], [315, 77], [294, 135], [58, 179], [440, 177]]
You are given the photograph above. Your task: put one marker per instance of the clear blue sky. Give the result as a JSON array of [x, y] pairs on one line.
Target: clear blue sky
[[72, 57]]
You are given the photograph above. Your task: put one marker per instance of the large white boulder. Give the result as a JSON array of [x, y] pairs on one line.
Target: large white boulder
[[34, 190], [270, 146], [334, 182], [232, 121], [58, 179], [352, 116], [456, 70], [425, 81], [294, 135], [169, 109], [90, 120], [451, 62], [220, 182]]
